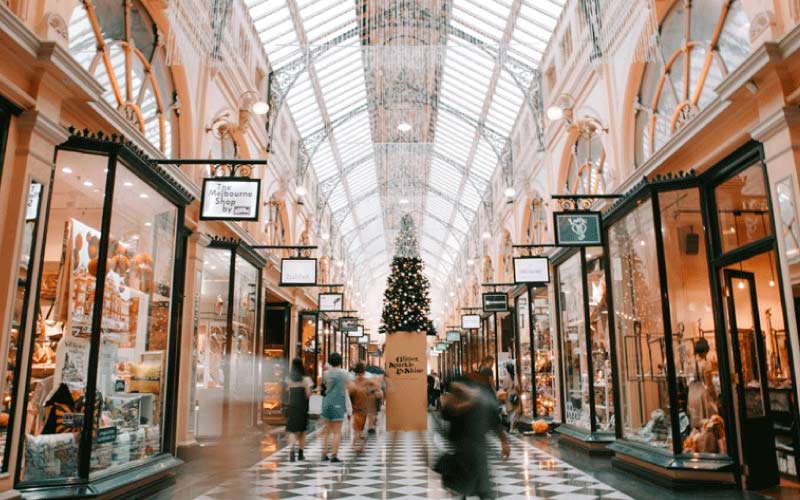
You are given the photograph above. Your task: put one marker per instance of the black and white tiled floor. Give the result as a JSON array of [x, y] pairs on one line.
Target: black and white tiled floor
[[398, 466]]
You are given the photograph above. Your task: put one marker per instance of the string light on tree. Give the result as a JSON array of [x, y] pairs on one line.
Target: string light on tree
[[406, 304]]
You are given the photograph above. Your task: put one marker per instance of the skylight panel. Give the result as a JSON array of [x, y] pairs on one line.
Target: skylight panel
[[369, 207], [548, 11], [338, 200]]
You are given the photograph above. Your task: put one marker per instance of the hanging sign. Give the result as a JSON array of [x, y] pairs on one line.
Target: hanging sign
[[349, 325], [531, 270], [230, 198], [495, 302], [441, 346], [582, 228], [363, 340], [358, 333], [330, 302], [470, 321], [298, 271], [453, 336]]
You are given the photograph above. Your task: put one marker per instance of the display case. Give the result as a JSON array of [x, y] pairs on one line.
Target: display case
[[587, 394], [227, 343], [100, 344]]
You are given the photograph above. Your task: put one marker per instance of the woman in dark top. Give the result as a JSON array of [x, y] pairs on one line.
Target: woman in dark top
[[299, 387]]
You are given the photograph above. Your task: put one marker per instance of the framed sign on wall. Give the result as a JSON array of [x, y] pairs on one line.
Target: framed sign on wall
[[330, 302], [470, 321], [578, 229], [531, 270], [348, 325], [230, 198], [495, 302], [298, 271]]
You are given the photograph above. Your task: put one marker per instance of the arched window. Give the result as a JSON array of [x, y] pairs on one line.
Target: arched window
[[588, 173], [701, 42], [117, 42]]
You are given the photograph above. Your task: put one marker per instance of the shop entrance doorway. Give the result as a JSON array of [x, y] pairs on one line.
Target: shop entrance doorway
[[749, 378]]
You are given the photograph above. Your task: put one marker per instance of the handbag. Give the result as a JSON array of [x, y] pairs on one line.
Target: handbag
[[315, 404]]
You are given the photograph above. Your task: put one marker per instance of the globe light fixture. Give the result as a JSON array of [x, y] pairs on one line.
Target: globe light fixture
[[404, 127], [300, 190], [486, 235], [510, 192], [403, 201], [260, 108], [555, 113], [470, 262], [325, 236]]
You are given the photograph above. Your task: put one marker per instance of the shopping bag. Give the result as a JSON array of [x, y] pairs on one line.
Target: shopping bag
[[315, 404]]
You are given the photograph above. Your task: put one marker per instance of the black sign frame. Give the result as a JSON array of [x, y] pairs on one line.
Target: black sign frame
[[470, 327], [547, 267], [496, 295], [234, 180], [316, 269], [319, 301], [348, 325], [593, 213]]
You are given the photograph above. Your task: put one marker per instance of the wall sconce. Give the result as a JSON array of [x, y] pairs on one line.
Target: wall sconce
[[254, 103], [561, 108]]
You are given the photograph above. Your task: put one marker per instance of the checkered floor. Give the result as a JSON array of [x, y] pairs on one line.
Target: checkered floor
[[398, 466]]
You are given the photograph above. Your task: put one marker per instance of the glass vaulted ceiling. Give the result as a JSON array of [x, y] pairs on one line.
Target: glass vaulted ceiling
[[470, 87]]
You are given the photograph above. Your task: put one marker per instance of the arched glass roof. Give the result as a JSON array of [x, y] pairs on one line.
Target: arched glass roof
[[457, 72]]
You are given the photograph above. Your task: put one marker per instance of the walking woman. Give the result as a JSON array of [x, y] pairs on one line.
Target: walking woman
[[334, 406], [299, 387], [510, 384]]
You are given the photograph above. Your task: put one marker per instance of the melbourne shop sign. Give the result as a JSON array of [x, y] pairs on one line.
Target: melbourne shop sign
[[579, 228], [230, 198]]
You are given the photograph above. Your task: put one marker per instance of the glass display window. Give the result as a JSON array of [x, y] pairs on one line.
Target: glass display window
[[588, 388], [743, 213], [537, 353], [100, 349], [227, 341]]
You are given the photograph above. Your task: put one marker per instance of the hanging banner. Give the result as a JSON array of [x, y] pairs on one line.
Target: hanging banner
[[495, 302], [470, 321], [230, 198], [348, 325], [298, 271], [578, 229], [531, 270], [330, 302], [454, 336]]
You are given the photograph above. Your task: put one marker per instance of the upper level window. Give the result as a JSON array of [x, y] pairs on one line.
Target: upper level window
[[701, 42], [117, 42], [588, 172]]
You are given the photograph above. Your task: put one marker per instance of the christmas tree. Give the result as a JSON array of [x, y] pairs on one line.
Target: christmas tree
[[406, 305]]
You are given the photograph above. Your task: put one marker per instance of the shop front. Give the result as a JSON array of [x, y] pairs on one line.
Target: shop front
[[587, 387], [277, 329], [92, 362], [705, 368], [224, 392]]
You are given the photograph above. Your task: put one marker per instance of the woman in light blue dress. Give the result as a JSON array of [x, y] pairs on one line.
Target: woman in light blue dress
[[334, 405]]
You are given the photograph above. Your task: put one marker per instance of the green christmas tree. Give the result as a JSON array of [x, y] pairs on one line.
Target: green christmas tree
[[406, 305]]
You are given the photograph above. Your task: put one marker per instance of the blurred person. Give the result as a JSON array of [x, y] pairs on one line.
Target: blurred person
[[362, 396], [437, 391], [334, 405], [471, 409], [430, 389], [510, 385], [299, 387], [372, 416]]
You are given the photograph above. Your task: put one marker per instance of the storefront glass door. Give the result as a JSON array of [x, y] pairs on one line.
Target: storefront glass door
[[749, 379]]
